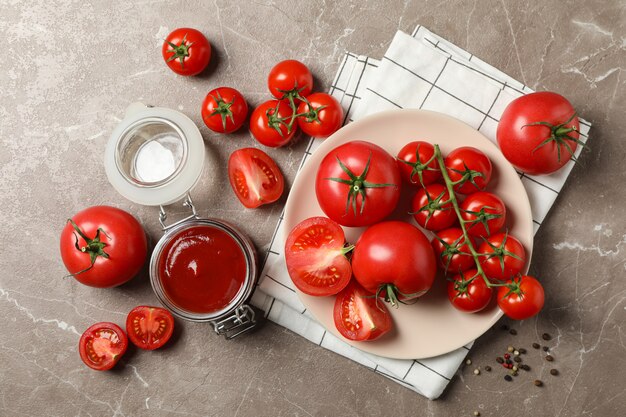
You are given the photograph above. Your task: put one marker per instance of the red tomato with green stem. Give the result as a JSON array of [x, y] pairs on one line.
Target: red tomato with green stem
[[315, 253], [272, 124], [103, 246], [468, 292], [417, 163], [484, 213], [224, 110], [502, 256], [469, 168], [149, 327], [358, 184], [320, 115], [186, 51], [102, 345], [452, 251], [394, 260], [539, 132], [431, 208], [522, 297], [358, 316], [290, 79], [254, 177]]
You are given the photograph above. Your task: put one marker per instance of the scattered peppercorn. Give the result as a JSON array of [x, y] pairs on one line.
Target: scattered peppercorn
[[488, 368], [525, 367], [538, 383], [499, 359], [516, 353], [468, 362], [549, 358], [514, 368], [513, 332], [517, 359], [554, 372], [505, 327], [507, 356], [476, 371], [508, 378], [545, 348], [522, 350], [546, 336], [510, 349], [476, 414], [536, 345]]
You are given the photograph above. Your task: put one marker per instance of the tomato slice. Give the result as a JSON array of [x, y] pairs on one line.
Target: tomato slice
[[255, 177], [315, 256], [358, 316], [149, 327], [102, 345]]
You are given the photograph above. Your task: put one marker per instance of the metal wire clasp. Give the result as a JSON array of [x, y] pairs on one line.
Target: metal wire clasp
[[241, 321], [163, 215]]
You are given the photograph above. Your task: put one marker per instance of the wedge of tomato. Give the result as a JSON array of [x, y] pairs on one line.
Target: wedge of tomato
[[102, 345], [149, 327], [255, 177], [315, 253], [359, 316]]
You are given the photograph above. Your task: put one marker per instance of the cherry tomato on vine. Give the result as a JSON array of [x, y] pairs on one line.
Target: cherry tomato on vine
[[522, 299], [417, 163], [269, 123], [102, 345], [432, 209], [502, 256], [149, 327], [255, 177], [290, 78], [357, 316], [469, 292], [323, 115], [471, 167], [358, 184], [485, 211], [451, 250], [224, 110], [103, 246], [394, 260], [186, 51], [539, 132]]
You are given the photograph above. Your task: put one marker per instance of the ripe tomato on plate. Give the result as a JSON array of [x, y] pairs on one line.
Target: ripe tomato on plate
[[539, 132], [417, 163], [469, 292], [502, 256], [224, 110], [102, 345], [186, 51], [103, 246], [431, 208], [359, 316], [149, 327], [322, 115], [471, 167], [522, 299], [358, 184], [452, 251], [485, 211], [290, 78], [315, 254], [254, 177], [269, 123]]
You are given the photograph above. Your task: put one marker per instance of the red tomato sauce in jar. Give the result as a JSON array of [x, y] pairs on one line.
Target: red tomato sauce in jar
[[202, 269]]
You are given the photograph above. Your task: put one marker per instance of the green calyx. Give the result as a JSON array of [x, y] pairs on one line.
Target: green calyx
[[180, 52], [393, 295], [357, 185], [223, 109], [500, 251], [514, 287], [560, 135], [461, 286], [433, 205], [450, 250], [94, 247], [276, 122], [467, 175], [418, 167], [482, 216]]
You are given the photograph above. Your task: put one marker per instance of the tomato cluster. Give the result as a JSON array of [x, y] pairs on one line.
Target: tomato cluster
[[358, 185]]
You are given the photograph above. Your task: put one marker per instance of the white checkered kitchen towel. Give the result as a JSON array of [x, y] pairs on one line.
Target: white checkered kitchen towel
[[430, 73]]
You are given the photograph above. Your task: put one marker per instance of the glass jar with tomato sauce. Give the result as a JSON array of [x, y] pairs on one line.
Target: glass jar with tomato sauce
[[203, 270]]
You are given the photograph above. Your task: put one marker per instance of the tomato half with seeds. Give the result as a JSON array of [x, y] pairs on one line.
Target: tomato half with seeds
[[431, 208], [485, 213], [269, 123], [358, 316], [102, 345], [417, 163], [470, 167], [523, 298], [224, 110], [290, 78], [255, 177], [186, 51], [451, 250], [321, 115], [469, 292], [315, 253], [149, 327], [502, 256]]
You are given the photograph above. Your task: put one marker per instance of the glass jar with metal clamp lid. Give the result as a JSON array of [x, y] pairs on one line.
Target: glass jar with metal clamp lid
[[202, 270]]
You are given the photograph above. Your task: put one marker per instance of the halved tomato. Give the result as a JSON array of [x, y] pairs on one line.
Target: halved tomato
[[149, 327], [255, 177], [359, 315], [316, 257], [102, 345]]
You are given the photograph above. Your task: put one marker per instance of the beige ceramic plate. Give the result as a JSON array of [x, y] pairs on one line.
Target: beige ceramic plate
[[431, 326]]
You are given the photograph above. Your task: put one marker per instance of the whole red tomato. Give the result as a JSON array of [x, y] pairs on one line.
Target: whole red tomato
[[417, 163], [538, 132], [485, 213], [469, 292], [186, 51], [290, 78], [103, 246], [254, 177], [395, 260], [269, 123], [470, 167], [432, 209], [322, 115], [452, 251], [224, 110], [358, 316], [522, 298], [102, 345], [358, 184], [502, 256]]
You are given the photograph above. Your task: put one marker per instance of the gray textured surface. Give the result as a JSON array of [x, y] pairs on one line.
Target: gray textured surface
[[68, 71]]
